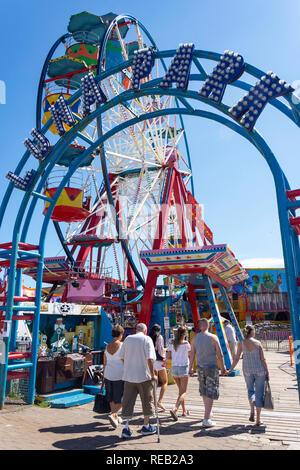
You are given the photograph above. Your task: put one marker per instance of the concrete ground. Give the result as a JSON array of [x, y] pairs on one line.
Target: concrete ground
[[24, 427]]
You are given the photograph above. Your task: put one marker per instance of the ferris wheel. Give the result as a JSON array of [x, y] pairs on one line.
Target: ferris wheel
[[108, 213]]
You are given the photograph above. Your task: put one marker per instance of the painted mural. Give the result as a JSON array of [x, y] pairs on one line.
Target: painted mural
[[266, 290]]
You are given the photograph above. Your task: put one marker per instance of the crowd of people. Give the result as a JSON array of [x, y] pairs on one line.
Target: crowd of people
[[136, 365]]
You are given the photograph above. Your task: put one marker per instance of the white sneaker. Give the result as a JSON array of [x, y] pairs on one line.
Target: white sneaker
[[113, 421], [120, 421], [208, 423]]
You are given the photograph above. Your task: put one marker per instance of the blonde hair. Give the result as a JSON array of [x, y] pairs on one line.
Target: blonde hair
[[248, 330]]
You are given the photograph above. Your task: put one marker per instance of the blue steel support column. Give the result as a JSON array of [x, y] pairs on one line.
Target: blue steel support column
[[291, 259], [217, 321], [35, 329], [231, 313]]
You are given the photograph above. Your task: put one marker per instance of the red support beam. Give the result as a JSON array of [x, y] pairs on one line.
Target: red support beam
[[18, 355], [17, 375], [163, 214], [193, 301], [21, 246], [295, 222], [207, 272], [20, 263], [292, 194], [179, 201], [148, 297], [22, 317], [18, 299]]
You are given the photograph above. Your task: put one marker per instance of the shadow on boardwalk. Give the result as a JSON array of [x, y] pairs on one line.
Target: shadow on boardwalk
[[109, 438]]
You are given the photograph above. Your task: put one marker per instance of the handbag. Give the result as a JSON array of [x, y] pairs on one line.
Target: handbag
[[268, 399], [101, 405]]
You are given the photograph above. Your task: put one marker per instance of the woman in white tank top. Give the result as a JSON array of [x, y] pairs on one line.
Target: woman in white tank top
[[113, 374]]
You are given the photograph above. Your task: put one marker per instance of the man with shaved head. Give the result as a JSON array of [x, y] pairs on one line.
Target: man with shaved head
[[207, 349]]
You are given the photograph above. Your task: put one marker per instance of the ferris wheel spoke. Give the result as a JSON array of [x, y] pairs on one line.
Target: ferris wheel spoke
[[141, 205], [125, 56], [127, 157]]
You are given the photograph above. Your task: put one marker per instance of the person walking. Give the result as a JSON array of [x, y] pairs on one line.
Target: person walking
[[138, 354], [179, 351], [231, 337], [255, 371], [113, 375], [160, 362], [206, 347]]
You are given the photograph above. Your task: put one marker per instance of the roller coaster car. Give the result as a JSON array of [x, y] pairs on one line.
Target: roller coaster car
[[70, 207]]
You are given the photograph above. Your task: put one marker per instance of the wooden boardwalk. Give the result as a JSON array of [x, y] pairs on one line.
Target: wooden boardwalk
[[81, 428], [231, 411]]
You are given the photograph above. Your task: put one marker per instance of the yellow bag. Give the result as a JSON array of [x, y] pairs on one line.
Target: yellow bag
[[192, 334], [171, 380]]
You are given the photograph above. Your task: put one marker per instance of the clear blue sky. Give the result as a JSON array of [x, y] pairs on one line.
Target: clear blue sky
[[231, 178]]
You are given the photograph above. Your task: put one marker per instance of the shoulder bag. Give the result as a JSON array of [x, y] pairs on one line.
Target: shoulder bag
[[268, 399]]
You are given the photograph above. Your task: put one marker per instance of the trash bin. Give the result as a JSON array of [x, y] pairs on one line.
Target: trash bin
[[45, 375]]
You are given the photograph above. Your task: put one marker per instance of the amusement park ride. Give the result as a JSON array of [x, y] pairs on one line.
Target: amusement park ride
[[113, 173]]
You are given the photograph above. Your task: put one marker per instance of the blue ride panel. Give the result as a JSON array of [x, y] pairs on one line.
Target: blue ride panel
[[105, 331], [159, 311]]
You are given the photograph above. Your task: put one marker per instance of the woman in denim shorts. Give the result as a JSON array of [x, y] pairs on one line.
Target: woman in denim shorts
[[178, 351]]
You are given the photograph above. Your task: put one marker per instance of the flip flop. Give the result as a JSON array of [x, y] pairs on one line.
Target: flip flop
[[174, 415], [162, 408]]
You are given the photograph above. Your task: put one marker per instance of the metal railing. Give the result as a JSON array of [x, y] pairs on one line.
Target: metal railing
[[273, 337]]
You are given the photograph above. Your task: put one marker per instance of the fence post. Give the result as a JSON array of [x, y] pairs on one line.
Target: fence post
[[291, 348]]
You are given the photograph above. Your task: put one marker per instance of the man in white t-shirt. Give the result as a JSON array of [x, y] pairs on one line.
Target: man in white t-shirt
[[231, 337], [139, 355]]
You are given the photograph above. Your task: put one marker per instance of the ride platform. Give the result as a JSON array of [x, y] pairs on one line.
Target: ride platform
[[190, 264], [56, 269], [90, 240]]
